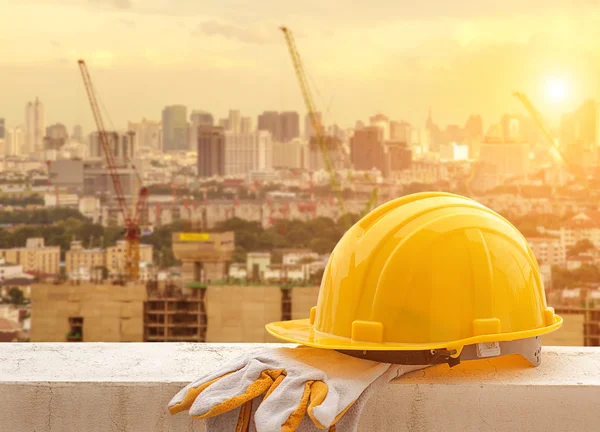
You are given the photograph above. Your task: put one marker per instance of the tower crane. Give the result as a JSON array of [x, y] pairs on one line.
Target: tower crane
[[549, 135], [314, 120], [130, 217]]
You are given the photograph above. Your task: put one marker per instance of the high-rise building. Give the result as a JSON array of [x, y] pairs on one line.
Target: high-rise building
[[224, 123], [400, 131], [308, 128], [269, 121], [366, 149], [175, 128], [500, 159], [474, 126], [335, 130], [35, 125], [246, 125], [56, 137], [398, 156], [246, 153], [519, 128], [211, 151], [201, 118], [289, 125], [57, 130], [234, 121], [198, 118], [15, 141], [283, 127], [147, 133], [121, 145], [77, 133], [335, 154], [2, 129], [580, 134], [292, 155]]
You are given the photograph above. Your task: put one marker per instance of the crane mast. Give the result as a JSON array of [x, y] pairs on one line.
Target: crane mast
[[130, 218], [316, 124]]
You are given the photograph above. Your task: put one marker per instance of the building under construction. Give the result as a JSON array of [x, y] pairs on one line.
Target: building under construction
[[178, 312]]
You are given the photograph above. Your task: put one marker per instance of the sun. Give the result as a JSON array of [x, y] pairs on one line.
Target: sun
[[556, 89]]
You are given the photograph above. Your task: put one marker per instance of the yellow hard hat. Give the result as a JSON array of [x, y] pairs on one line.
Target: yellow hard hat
[[427, 272]]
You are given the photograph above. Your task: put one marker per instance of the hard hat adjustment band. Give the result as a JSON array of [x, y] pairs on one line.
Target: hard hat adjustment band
[[421, 357], [529, 348]]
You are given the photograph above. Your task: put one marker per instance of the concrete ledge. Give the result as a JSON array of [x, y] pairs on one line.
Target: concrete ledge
[[125, 387]]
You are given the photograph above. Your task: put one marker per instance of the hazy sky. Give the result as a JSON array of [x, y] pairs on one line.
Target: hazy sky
[[393, 56]]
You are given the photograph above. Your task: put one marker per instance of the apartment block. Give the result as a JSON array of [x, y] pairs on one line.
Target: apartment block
[[35, 257]]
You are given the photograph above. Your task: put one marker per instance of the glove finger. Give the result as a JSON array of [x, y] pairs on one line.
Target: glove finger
[[191, 393], [235, 389], [238, 420], [284, 407], [184, 399]]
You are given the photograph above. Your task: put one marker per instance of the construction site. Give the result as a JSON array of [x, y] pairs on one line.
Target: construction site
[[194, 307]]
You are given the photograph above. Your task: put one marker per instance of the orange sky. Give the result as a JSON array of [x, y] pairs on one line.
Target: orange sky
[[391, 56]]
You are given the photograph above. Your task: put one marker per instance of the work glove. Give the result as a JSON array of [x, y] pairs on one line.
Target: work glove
[[272, 390]]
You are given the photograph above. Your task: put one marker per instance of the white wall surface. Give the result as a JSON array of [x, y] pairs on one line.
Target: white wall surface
[[126, 387]]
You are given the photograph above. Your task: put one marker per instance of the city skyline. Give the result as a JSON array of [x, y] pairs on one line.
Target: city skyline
[[399, 60]]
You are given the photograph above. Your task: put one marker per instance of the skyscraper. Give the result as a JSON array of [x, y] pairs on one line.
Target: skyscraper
[[198, 118], [246, 125], [121, 145], [175, 128], [400, 131], [474, 126], [579, 134], [147, 133], [308, 129], [15, 141], [201, 118], [211, 151], [366, 149], [245, 153], [234, 121], [290, 125], [334, 150], [35, 125], [269, 121], [77, 133], [57, 131], [2, 129]]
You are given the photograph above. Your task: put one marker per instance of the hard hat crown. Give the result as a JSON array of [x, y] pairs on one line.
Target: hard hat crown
[[427, 271]]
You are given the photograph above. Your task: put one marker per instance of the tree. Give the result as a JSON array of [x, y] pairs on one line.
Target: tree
[[16, 296]]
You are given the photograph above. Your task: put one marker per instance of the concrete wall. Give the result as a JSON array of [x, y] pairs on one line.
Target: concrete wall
[[303, 299], [240, 313], [570, 334], [111, 313], [126, 387]]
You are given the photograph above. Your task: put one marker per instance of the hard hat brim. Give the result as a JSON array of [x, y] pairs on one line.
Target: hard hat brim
[[301, 332]]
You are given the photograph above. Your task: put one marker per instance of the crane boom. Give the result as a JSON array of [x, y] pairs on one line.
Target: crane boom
[[130, 218], [548, 134], [540, 122], [316, 124]]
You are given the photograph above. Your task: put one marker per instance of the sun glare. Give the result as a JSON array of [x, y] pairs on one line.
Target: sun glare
[[556, 89]]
